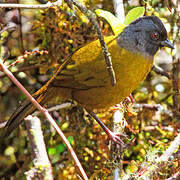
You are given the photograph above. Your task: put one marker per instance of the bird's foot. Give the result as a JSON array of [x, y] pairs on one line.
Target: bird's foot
[[116, 138]]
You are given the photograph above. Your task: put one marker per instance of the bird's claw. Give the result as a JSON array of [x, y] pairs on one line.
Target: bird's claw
[[116, 138]]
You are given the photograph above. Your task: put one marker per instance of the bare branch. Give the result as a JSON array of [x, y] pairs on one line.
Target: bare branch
[[156, 107], [42, 167], [118, 116], [160, 71], [92, 16], [55, 108], [31, 6]]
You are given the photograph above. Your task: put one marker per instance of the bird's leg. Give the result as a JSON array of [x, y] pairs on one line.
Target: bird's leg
[[113, 136], [130, 99]]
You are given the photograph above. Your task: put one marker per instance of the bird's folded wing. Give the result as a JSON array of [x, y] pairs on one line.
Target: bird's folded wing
[[88, 68]]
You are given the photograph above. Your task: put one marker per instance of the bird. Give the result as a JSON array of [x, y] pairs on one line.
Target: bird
[[85, 79]]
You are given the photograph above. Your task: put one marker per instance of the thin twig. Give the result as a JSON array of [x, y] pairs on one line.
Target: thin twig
[[175, 83], [36, 113], [48, 116], [176, 62], [156, 107], [31, 6], [20, 31], [92, 16], [54, 108], [160, 71]]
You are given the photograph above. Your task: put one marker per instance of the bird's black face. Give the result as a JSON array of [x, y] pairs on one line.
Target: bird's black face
[[145, 35]]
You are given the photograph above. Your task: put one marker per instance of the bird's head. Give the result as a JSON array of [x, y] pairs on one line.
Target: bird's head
[[145, 35]]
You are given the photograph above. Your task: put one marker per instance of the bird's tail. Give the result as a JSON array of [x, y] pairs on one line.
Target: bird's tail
[[26, 108], [43, 95]]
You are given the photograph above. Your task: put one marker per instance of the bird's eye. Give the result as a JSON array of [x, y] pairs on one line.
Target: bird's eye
[[155, 35]]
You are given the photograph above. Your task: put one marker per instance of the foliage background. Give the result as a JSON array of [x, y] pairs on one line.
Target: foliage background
[[60, 31]]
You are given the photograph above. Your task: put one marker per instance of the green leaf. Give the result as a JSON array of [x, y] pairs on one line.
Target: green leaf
[[70, 139], [64, 126], [57, 149], [114, 22], [133, 14], [60, 147]]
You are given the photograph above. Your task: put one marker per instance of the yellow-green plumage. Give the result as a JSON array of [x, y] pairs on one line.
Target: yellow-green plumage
[[88, 82]]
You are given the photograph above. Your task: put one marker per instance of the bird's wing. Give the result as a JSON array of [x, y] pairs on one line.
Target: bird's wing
[[88, 67]]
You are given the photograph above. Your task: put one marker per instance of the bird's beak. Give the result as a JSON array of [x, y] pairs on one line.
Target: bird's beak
[[167, 43]]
